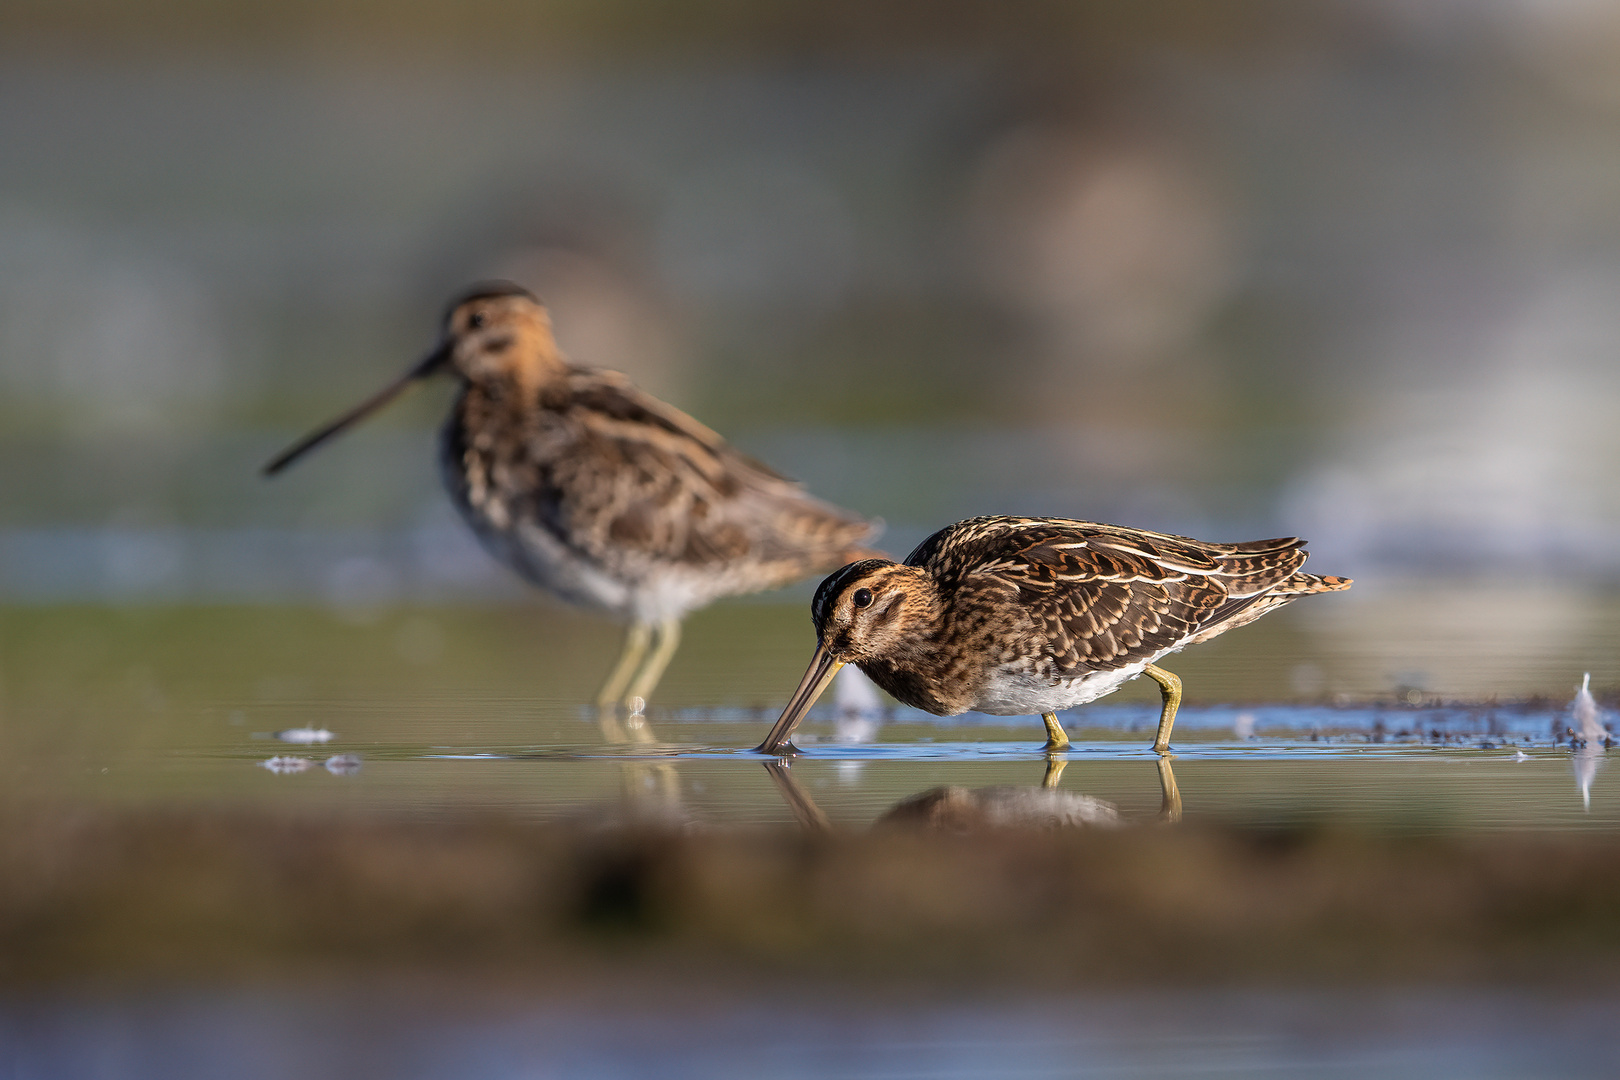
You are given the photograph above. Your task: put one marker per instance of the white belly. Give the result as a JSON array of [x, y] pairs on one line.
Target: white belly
[[536, 554], [1012, 692], [649, 598]]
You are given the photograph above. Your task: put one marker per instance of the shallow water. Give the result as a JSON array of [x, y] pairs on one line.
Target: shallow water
[[704, 779], [1404, 707]]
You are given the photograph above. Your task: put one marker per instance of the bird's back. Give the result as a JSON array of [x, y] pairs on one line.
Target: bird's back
[[617, 500], [1106, 597]]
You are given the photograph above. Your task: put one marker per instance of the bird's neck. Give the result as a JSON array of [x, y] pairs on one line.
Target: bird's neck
[[916, 666], [516, 389], [492, 417], [529, 359]]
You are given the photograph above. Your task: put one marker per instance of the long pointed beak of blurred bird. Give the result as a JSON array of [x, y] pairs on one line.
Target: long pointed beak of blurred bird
[[823, 666], [430, 364]]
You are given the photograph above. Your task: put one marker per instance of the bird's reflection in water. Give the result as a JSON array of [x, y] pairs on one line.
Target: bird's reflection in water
[[954, 808], [651, 791], [652, 794], [1169, 793], [650, 798], [1588, 738], [1585, 762], [805, 811], [652, 788]]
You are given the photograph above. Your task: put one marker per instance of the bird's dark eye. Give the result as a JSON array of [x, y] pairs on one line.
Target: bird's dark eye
[[476, 319], [862, 597]]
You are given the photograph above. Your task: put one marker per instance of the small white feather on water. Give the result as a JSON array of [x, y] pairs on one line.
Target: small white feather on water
[[858, 708], [1589, 731], [286, 763], [305, 735], [1243, 725]]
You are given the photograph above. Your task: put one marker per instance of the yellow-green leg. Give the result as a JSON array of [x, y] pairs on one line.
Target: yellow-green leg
[[669, 639], [636, 640], [1056, 738], [1169, 793], [1054, 770], [1170, 690]]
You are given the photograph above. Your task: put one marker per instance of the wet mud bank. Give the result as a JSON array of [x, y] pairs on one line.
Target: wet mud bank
[[134, 895]]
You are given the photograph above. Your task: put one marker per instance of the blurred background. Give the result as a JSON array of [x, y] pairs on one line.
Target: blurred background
[[1347, 269], [1343, 269]]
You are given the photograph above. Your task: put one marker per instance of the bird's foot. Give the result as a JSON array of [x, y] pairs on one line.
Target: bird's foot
[[1056, 737]]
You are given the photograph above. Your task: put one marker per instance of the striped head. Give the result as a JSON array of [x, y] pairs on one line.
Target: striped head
[[495, 331], [867, 609], [500, 331], [862, 612]]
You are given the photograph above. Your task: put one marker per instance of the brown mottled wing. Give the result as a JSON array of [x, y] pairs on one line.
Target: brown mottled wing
[[628, 480], [1105, 596], [1242, 611]]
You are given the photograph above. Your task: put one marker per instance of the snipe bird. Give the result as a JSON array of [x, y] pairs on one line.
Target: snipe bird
[[1014, 615], [601, 494]]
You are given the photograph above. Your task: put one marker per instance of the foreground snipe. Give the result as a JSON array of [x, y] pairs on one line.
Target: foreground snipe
[[602, 494], [1010, 615]]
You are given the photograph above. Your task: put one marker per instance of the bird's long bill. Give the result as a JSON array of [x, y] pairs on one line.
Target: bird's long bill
[[823, 666], [431, 363]]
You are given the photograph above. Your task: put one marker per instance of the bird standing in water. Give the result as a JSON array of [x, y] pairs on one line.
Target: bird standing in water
[[1014, 615], [601, 494]]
